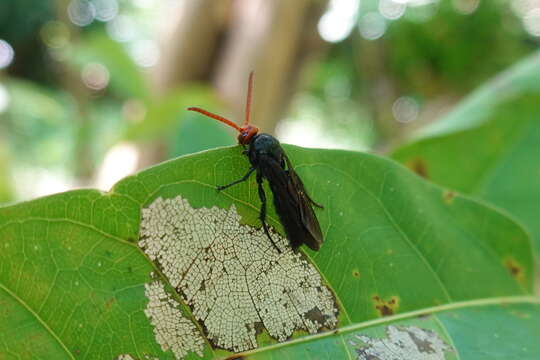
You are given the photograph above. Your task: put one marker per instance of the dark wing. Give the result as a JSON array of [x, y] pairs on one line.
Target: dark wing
[[309, 219], [292, 203]]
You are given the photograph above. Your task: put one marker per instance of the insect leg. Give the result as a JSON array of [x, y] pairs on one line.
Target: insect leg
[[244, 178], [313, 202], [262, 214]]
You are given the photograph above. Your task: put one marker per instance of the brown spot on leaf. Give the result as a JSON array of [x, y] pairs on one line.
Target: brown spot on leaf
[[418, 166], [109, 303], [448, 196], [386, 307], [515, 269], [356, 273]]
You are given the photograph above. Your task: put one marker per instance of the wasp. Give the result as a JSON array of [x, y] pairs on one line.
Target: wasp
[[268, 160]]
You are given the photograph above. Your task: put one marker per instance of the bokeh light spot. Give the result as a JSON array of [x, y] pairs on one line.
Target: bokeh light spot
[[405, 109], [145, 52], [122, 28], [120, 161], [35, 181], [465, 7], [95, 76], [106, 10], [531, 21], [391, 9], [134, 110], [372, 26], [522, 7], [6, 54], [55, 34], [338, 21], [81, 13], [416, 2]]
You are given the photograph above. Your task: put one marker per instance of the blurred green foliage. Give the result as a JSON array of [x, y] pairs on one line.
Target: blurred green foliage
[[56, 120], [451, 51], [431, 52], [488, 145]]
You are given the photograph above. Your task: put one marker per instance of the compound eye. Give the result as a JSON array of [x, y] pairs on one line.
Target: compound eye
[[247, 133], [242, 137]]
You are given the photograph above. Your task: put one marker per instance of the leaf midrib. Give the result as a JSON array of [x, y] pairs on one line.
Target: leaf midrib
[[476, 303]]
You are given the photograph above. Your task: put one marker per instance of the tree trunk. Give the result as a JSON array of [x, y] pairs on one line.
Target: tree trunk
[[222, 41]]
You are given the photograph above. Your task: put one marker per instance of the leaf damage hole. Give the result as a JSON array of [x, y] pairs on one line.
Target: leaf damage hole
[[356, 273], [232, 277], [386, 307], [418, 166], [401, 342], [173, 331]]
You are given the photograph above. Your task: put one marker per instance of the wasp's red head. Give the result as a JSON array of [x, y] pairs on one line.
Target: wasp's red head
[[247, 131]]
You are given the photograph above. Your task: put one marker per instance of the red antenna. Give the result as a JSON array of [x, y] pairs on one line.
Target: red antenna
[[214, 116], [247, 131], [248, 100]]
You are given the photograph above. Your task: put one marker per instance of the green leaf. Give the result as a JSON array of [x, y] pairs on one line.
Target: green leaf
[[517, 82], [77, 284], [488, 145]]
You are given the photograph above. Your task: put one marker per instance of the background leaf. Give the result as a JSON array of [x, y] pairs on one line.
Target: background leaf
[[395, 246], [488, 145]]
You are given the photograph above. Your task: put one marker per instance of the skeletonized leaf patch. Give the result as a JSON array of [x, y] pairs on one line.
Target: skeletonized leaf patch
[[173, 331], [231, 276], [402, 342]]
